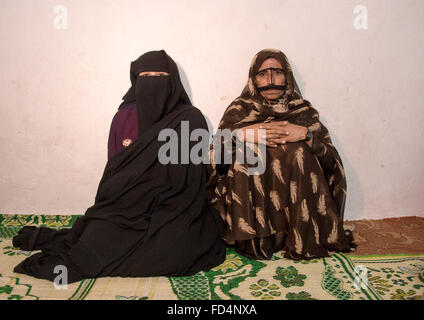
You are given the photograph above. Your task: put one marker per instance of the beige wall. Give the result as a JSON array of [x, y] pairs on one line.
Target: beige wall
[[60, 88]]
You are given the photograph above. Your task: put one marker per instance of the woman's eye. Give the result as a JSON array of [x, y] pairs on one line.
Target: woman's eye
[[261, 74]]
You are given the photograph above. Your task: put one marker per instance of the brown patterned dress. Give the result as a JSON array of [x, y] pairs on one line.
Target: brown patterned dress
[[297, 204]]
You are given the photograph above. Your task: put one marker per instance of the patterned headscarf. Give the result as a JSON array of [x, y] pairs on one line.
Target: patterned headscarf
[[250, 89]]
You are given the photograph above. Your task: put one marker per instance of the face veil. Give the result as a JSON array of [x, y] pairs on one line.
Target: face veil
[[155, 96], [151, 94]]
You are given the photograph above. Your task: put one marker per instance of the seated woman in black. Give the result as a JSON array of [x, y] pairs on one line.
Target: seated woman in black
[[148, 219]]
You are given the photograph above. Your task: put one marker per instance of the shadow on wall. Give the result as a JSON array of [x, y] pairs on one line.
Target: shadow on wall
[[187, 87], [184, 80], [297, 77], [351, 176]]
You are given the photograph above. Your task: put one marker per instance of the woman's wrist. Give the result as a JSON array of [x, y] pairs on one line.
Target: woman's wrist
[[308, 137], [309, 142]]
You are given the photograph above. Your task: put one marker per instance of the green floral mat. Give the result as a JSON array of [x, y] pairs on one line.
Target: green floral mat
[[339, 277]]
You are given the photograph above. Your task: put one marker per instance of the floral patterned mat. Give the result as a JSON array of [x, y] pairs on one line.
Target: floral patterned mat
[[339, 277]]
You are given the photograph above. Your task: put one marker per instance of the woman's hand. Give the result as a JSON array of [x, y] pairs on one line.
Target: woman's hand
[[292, 132], [258, 133], [277, 133]]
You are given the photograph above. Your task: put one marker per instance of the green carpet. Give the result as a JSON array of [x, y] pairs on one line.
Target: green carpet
[[339, 277]]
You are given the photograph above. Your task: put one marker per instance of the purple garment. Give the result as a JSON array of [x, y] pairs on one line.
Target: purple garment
[[124, 127]]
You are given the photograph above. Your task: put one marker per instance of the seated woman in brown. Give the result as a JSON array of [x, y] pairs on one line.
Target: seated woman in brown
[[297, 203]]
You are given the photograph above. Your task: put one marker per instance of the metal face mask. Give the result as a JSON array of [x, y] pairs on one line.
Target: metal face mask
[[269, 73]]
